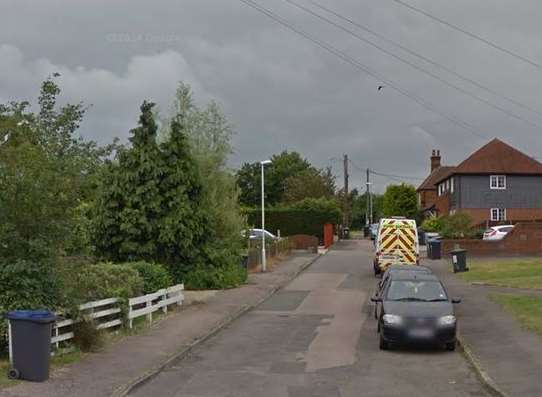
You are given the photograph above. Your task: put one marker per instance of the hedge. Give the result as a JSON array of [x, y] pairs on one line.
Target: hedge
[[291, 221]]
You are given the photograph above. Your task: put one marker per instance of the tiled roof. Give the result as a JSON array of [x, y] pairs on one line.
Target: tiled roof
[[497, 157], [437, 175]]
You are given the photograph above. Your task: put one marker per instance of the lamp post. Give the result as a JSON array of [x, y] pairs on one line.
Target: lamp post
[[369, 199], [264, 258]]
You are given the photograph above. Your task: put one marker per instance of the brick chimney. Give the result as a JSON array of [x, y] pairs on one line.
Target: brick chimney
[[435, 160]]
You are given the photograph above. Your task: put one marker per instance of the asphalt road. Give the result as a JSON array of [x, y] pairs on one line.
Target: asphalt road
[[315, 338]]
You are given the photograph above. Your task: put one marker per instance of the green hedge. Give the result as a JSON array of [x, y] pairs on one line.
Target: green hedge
[[26, 285], [154, 275], [306, 217]]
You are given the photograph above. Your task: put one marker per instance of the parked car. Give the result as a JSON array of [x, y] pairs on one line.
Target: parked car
[[256, 234], [373, 230], [396, 243], [415, 308], [395, 271], [497, 232]]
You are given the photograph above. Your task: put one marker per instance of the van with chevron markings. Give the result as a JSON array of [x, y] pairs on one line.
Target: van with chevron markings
[[396, 244]]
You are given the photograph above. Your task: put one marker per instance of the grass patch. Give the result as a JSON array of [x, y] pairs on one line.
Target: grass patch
[[515, 273], [527, 309]]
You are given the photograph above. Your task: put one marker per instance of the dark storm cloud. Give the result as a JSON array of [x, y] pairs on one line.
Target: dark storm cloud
[[281, 91]]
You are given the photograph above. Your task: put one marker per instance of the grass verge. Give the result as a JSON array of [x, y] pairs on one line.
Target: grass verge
[[527, 309], [515, 273]]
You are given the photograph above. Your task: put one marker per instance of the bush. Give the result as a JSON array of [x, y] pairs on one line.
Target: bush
[[305, 217], [457, 226], [433, 224], [86, 336], [104, 280], [224, 277], [154, 275], [26, 285]]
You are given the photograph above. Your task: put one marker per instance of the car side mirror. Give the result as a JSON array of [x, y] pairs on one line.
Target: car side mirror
[[456, 300], [376, 299]]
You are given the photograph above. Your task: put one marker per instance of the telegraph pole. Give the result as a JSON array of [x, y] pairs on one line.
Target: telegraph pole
[[367, 199], [346, 212]]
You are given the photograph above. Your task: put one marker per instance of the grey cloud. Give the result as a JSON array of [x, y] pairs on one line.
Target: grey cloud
[[280, 90]]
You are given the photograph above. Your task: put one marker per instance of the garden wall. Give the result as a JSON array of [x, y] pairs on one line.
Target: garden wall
[[524, 239]]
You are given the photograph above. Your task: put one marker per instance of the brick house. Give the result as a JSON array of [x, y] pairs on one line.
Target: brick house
[[495, 184]]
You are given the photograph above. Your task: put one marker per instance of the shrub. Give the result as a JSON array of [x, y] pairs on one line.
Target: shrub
[[433, 224], [154, 275], [86, 336], [26, 285], [223, 277], [457, 226], [104, 280]]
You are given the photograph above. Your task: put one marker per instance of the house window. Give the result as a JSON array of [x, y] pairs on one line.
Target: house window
[[497, 182], [452, 184], [498, 214]]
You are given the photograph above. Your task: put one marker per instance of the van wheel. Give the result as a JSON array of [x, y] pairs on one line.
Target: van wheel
[[376, 269], [383, 345], [450, 346]]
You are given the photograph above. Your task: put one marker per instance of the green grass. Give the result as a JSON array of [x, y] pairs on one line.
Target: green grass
[[515, 273], [527, 309]]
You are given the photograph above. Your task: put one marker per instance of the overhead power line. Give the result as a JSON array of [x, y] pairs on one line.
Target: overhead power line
[[354, 62], [470, 34], [392, 176], [413, 65], [424, 58]]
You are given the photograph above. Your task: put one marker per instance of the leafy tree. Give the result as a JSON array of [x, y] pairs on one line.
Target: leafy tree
[[46, 171], [310, 183], [129, 207], [400, 200], [288, 178], [359, 209], [209, 134]]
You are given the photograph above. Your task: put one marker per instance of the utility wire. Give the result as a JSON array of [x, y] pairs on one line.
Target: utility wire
[[470, 34], [413, 65], [424, 58], [354, 62], [392, 176]]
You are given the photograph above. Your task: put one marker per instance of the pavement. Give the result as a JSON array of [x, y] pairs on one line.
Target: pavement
[[122, 364], [315, 337], [510, 356]]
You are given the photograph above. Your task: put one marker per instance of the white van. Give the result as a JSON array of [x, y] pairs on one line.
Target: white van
[[396, 244]]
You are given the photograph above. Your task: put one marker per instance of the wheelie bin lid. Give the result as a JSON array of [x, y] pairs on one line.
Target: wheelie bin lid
[[35, 316], [458, 251]]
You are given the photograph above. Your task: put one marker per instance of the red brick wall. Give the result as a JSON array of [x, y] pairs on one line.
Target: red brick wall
[[303, 241], [442, 204], [427, 198], [524, 239]]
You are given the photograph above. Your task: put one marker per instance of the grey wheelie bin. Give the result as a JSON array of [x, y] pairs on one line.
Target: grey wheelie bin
[[30, 344], [459, 260]]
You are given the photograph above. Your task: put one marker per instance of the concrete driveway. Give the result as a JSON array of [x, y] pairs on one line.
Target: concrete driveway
[[316, 337]]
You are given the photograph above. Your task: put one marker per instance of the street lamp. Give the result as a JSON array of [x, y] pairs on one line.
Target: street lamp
[[264, 258]]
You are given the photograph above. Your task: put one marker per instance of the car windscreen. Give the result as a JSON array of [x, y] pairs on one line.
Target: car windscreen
[[416, 290]]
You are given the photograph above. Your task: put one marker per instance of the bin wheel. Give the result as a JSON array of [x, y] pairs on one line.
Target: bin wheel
[[13, 374]]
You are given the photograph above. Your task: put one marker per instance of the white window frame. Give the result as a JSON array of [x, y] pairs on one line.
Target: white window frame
[[497, 211], [452, 184], [497, 179]]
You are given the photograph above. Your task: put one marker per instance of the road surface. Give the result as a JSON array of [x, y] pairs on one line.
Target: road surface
[[314, 338]]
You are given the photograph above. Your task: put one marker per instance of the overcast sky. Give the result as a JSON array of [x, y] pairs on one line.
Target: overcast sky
[[280, 90]]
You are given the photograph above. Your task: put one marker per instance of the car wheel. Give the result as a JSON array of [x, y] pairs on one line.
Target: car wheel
[[383, 344], [450, 346]]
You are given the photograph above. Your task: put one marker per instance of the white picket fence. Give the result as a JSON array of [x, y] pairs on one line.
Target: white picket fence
[[146, 305], [107, 313]]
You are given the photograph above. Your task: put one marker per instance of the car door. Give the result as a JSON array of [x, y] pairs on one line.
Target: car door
[[380, 294]]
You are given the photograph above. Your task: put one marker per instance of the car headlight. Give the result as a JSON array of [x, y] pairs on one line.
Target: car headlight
[[447, 320], [392, 319]]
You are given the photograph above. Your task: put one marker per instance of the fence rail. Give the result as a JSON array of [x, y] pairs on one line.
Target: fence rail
[[146, 305], [107, 313]]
